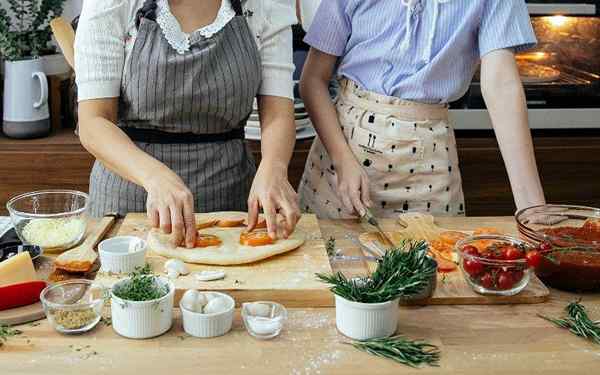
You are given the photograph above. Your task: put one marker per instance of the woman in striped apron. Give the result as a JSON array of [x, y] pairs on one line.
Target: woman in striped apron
[[387, 143], [168, 132]]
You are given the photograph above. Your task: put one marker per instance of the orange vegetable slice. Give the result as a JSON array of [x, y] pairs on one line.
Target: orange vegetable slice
[[486, 230], [230, 223], [206, 224], [206, 240], [452, 237], [259, 238]]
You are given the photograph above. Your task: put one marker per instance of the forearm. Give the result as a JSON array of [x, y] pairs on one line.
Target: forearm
[[116, 151], [315, 93], [505, 100], [278, 131]]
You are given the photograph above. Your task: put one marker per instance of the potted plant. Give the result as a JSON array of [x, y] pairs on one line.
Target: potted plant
[[142, 305], [24, 37], [367, 307]]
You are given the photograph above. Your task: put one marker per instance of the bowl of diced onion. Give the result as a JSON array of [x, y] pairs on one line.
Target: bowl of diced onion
[[55, 220]]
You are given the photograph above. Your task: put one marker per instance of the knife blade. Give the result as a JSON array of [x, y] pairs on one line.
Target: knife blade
[[372, 220]]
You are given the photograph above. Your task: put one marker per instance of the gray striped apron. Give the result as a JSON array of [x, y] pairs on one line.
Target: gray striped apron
[[188, 111]]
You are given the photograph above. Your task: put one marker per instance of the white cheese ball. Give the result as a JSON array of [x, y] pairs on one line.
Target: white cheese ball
[[216, 305]]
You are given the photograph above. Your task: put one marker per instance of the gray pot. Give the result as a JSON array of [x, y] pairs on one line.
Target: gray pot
[[26, 112]]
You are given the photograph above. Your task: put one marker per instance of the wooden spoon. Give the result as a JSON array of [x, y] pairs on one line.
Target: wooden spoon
[[82, 258], [65, 37]]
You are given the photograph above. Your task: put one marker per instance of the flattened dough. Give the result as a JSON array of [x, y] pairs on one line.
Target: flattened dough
[[230, 252]]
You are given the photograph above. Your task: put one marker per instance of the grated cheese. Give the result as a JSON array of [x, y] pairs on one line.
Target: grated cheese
[[52, 233]]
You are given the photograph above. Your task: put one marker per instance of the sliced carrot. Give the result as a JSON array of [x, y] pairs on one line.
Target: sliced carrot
[[259, 238], [206, 224], [206, 240], [451, 237], [230, 223]]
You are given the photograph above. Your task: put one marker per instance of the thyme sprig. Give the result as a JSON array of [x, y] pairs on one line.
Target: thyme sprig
[[578, 322], [143, 285], [6, 332], [330, 247], [413, 353], [402, 272]]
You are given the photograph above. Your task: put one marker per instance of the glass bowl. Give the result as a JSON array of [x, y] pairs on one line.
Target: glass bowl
[[486, 269], [263, 319], [52, 219], [569, 239], [73, 306]]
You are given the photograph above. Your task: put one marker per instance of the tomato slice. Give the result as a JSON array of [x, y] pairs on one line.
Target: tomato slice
[[259, 238], [206, 224], [451, 237], [206, 240], [486, 230], [230, 223]]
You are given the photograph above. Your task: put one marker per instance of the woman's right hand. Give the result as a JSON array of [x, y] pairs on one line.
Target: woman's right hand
[[353, 185], [170, 207]]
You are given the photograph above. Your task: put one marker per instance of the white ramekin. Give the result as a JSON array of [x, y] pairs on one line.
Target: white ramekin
[[116, 256], [142, 320], [208, 325], [363, 321]]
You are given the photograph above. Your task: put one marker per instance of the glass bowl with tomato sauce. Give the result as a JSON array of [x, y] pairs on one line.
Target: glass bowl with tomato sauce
[[496, 264], [568, 237]]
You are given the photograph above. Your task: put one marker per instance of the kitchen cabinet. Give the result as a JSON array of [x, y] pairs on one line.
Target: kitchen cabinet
[[568, 161]]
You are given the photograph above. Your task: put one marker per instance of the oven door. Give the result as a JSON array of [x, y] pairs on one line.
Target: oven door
[[561, 75]]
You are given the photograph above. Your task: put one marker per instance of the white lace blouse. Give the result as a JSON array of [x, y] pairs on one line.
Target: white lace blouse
[[106, 34]]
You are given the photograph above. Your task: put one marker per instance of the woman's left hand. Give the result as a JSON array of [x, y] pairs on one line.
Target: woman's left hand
[[272, 191]]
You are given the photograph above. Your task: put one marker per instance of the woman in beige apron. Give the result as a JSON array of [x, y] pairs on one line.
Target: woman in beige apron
[[386, 142]]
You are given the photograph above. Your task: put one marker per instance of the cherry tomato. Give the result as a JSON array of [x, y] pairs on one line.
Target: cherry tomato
[[487, 280], [517, 276], [545, 246], [470, 250], [259, 238], [533, 258], [206, 240], [505, 280], [511, 253], [472, 267]]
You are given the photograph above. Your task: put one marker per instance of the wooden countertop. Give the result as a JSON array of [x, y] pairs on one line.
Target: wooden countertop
[[501, 339]]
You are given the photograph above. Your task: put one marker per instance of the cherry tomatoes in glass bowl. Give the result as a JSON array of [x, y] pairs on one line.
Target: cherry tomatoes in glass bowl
[[501, 267]]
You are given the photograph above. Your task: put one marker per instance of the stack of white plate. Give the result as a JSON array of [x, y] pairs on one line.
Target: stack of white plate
[[304, 128]]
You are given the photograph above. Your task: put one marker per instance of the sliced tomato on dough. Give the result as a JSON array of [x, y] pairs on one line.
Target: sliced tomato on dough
[[230, 223], [206, 224], [206, 240], [259, 238]]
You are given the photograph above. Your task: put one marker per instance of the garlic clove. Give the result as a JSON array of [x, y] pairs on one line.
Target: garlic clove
[[176, 265], [172, 274], [209, 275], [216, 305], [190, 300]]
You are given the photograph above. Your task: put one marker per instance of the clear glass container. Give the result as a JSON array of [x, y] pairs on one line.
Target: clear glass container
[[264, 320]]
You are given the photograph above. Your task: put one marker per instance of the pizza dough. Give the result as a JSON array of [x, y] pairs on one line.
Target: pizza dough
[[229, 252], [536, 73]]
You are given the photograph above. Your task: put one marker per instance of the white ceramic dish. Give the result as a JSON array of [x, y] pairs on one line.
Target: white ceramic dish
[[208, 325], [122, 254], [363, 321], [142, 320]]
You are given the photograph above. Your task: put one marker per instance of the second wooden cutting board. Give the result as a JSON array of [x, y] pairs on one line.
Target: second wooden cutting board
[[288, 278]]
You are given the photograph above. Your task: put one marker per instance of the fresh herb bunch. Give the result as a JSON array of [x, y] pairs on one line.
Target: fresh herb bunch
[[143, 285], [24, 27], [578, 322], [6, 332], [330, 247], [401, 272], [413, 353]]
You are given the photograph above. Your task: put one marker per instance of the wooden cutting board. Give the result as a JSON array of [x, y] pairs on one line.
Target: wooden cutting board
[[452, 288], [288, 278]]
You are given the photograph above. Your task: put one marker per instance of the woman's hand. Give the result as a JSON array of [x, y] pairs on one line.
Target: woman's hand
[[272, 191], [352, 185], [170, 206]]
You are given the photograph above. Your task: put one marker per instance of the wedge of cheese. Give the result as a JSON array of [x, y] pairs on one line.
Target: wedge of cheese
[[17, 269]]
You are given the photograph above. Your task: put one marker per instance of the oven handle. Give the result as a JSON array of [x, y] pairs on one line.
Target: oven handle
[[562, 9]]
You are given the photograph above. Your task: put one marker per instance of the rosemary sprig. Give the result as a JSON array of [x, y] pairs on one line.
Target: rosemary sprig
[[413, 353], [142, 286], [401, 272], [578, 322], [330, 247], [6, 332]]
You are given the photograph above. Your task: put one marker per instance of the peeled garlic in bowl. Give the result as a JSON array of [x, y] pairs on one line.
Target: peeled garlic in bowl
[[193, 300], [216, 305]]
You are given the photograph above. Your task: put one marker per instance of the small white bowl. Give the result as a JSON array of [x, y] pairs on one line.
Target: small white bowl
[[143, 320], [208, 325], [363, 321], [122, 254]]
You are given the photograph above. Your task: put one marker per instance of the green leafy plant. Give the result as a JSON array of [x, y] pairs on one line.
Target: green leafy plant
[[6, 332], [142, 286], [24, 28], [413, 353], [578, 322], [402, 272]]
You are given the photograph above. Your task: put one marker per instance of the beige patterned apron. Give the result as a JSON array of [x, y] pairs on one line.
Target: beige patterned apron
[[408, 150]]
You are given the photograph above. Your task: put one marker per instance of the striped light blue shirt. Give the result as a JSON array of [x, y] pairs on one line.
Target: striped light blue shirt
[[419, 50]]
